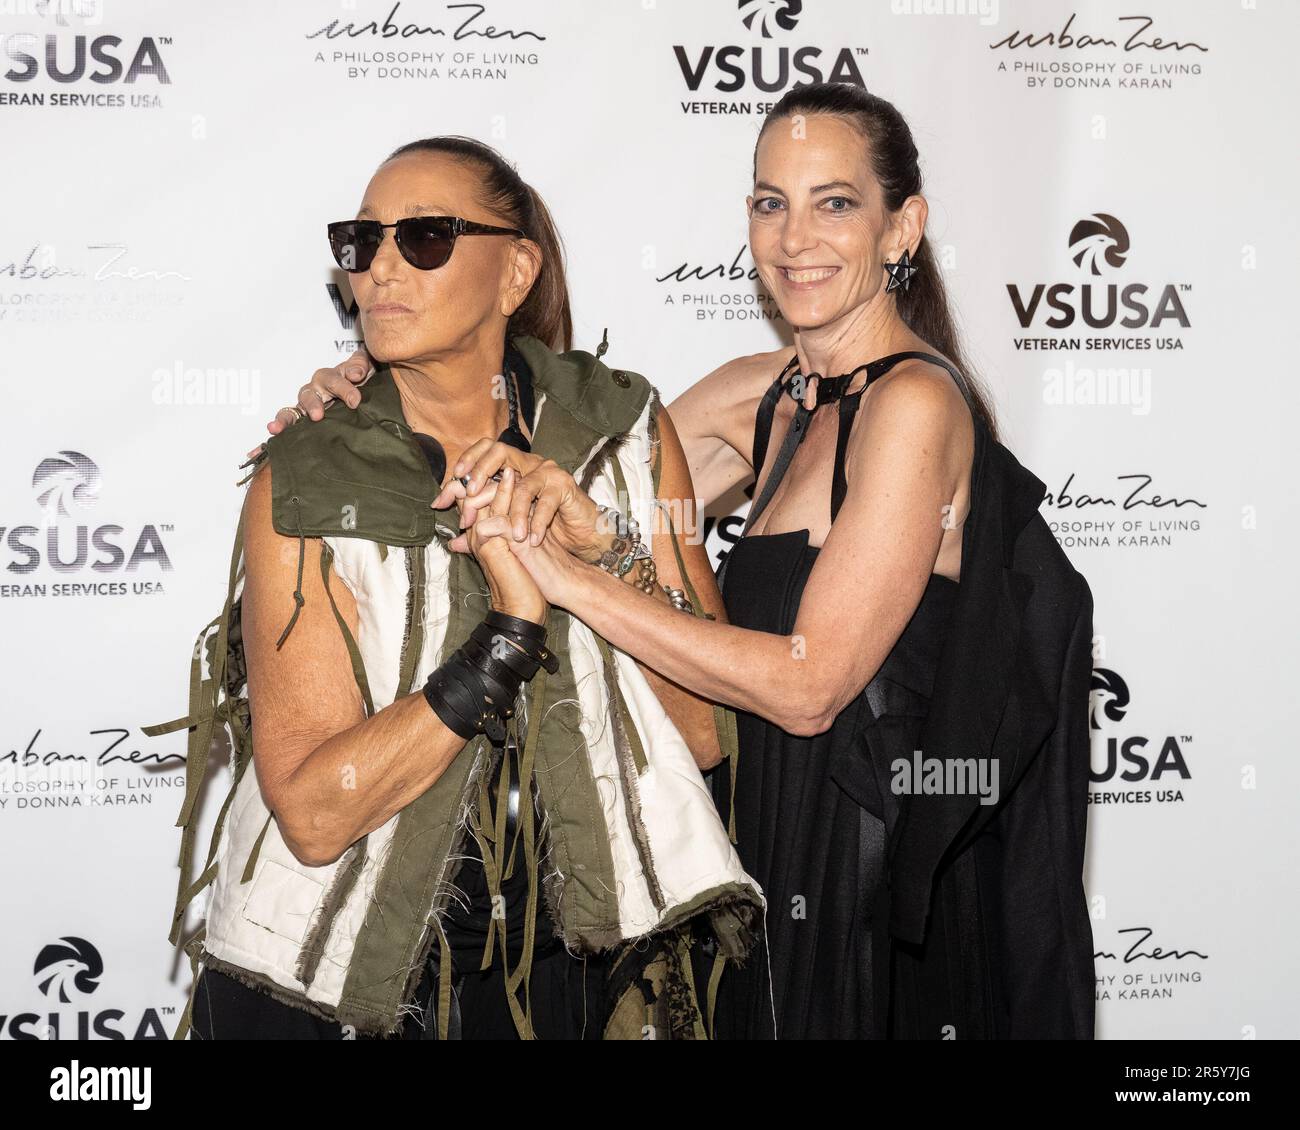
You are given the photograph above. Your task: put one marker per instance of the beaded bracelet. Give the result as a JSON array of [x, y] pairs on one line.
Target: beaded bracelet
[[628, 547]]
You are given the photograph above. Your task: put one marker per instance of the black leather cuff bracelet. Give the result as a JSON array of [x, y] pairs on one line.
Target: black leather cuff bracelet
[[455, 699], [516, 626], [474, 691], [498, 658]]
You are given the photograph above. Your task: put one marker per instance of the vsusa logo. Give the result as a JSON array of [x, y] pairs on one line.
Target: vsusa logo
[[74, 58], [69, 479], [1156, 774], [70, 964], [81, 62], [348, 312], [763, 16], [761, 67], [1099, 245], [66, 487], [1096, 240], [68, 973]]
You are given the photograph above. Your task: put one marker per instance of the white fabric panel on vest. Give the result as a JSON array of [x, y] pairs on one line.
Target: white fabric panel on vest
[[261, 925]]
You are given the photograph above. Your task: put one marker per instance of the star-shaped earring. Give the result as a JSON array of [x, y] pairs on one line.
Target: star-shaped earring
[[900, 273]]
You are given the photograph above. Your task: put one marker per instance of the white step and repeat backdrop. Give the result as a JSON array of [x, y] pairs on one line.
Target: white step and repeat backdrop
[[1112, 190]]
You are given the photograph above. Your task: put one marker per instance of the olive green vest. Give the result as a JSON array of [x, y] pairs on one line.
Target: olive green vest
[[360, 930]]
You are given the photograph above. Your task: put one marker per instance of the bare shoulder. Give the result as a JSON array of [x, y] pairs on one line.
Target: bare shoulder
[[917, 403], [918, 392], [744, 378], [257, 506], [271, 557], [314, 647]]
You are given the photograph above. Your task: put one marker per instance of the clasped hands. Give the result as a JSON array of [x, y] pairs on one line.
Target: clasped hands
[[516, 500]]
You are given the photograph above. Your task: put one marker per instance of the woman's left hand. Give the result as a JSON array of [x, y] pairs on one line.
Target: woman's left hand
[[546, 497], [552, 568]]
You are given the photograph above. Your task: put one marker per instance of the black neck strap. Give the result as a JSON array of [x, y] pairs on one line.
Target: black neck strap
[[829, 390]]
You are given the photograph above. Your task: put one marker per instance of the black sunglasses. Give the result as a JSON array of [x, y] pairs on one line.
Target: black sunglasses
[[426, 242]]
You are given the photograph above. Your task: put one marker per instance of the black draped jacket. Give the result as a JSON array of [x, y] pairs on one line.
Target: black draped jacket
[[1010, 692]]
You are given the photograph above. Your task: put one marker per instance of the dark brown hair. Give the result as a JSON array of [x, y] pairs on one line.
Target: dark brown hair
[[545, 314], [924, 306]]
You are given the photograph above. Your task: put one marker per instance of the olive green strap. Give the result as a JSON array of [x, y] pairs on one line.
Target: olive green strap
[[199, 747], [444, 982], [627, 742], [490, 872], [336, 897], [691, 594], [192, 949], [522, 1018], [298, 599], [652, 433], [255, 462], [257, 847], [620, 483], [619, 704], [715, 976], [413, 640], [186, 895], [496, 835], [197, 685], [724, 722], [354, 653], [528, 834]]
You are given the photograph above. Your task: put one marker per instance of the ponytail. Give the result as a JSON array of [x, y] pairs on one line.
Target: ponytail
[[546, 313]]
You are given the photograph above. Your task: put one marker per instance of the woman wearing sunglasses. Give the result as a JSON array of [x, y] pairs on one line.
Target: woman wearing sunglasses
[[467, 817], [908, 651]]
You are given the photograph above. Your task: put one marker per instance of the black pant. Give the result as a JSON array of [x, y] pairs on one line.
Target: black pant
[[564, 992]]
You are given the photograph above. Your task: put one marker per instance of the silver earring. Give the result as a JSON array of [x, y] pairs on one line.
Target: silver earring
[[900, 273]]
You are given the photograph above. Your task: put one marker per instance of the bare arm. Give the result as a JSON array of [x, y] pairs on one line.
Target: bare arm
[[691, 714], [715, 422], [906, 459], [329, 774]]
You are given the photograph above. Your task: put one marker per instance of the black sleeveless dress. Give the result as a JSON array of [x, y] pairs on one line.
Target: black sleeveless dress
[[811, 813]]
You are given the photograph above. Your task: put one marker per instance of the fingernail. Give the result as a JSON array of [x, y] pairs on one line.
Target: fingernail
[[536, 539], [519, 531]]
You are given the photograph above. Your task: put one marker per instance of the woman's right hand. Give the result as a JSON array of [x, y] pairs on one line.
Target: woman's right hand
[[326, 385], [339, 383], [513, 589]]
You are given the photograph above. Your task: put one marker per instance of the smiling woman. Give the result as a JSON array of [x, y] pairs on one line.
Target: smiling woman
[[895, 591], [896, 601]]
